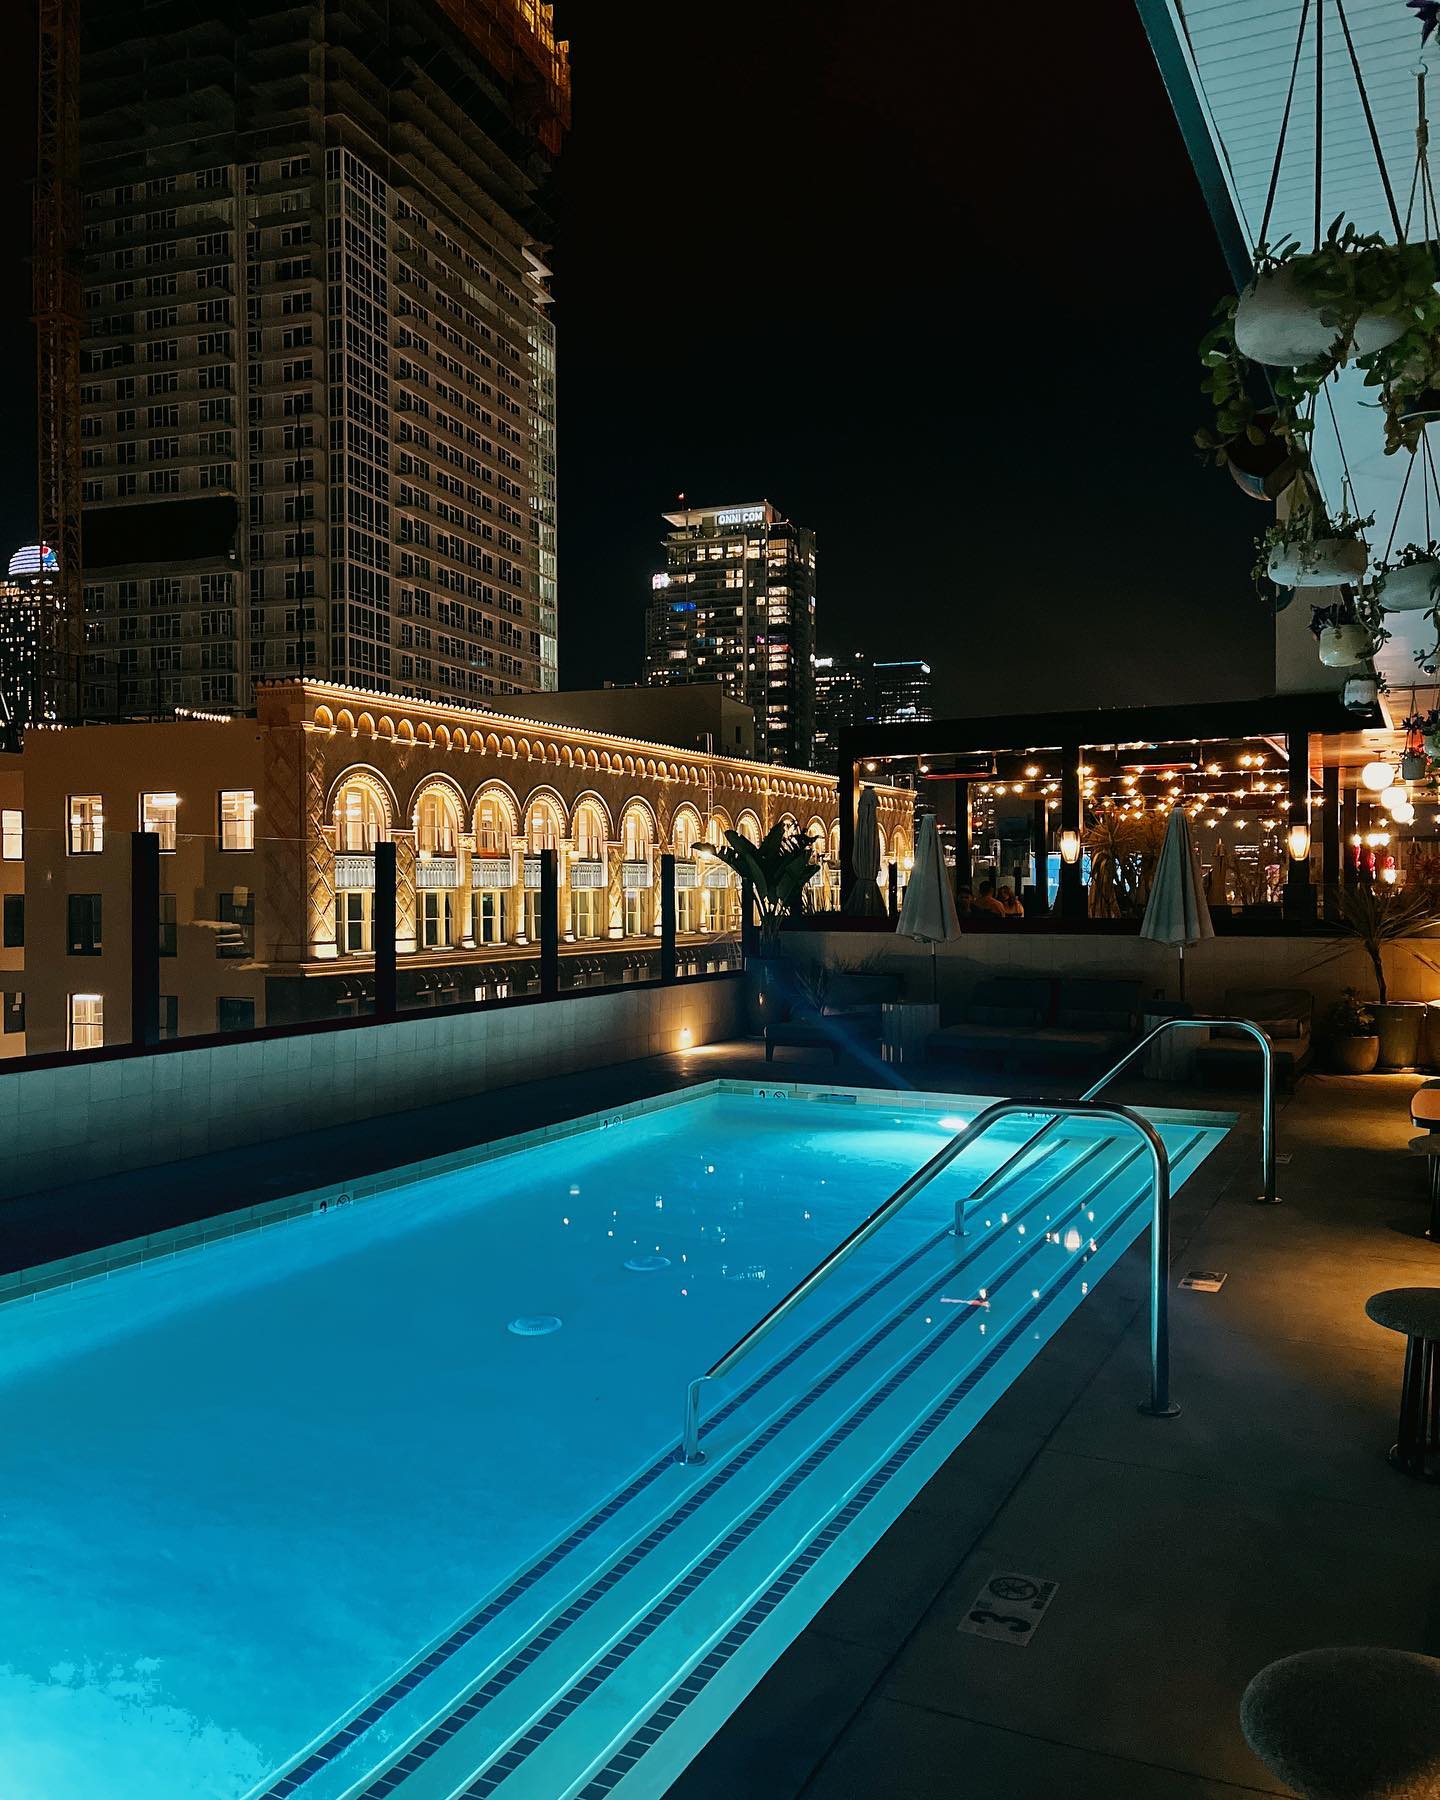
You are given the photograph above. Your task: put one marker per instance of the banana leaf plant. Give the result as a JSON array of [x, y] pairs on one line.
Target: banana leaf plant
[[778, 868]]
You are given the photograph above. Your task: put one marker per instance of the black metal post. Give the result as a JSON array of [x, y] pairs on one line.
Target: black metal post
[[1299, 900], [749, 925], [964, 865], [1040, 832], [892, 883], [1330, 837], [549, 925], [1072, 880], [144, 937], [667, 917], [387, 998], [1349, 830], [846, 800]]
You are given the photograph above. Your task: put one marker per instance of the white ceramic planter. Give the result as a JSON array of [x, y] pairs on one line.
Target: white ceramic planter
[[1342, 646], [1415, 588], [1360, 693], [1317, 562], [1275, 324]]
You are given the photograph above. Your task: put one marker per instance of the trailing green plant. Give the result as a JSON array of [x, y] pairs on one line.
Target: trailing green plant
[[1350, 275], [1349, 1017], [1361, 609], [1306, 522], [1376, 916], [778, 868]]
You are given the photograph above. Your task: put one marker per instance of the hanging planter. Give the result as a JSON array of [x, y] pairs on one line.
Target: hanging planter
[[1261, 451], [1361, 693], [1342, 638], [1411, 583], [1414, 765], [1304, 310], [1309, 550]]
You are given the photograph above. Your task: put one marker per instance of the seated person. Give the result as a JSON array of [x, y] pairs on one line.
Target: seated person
[[986, 901], [964, 899], [1010, 902]]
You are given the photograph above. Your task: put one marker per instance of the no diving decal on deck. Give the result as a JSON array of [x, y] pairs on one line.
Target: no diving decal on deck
[[1009, 1607]]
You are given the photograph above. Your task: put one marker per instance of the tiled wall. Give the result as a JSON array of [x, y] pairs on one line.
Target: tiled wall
[[96, 1118]]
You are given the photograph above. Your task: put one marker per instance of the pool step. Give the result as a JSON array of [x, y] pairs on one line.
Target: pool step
[[625, 1653]]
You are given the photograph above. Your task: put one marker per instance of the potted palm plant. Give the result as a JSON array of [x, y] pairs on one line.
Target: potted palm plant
[[778, 869], [1376, 917], [1350, 1037]]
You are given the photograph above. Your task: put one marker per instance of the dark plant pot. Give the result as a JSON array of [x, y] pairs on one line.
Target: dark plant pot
[[1425, 406], [1398, 1024], [1263, 471], [1354, 1055], [769, 991]]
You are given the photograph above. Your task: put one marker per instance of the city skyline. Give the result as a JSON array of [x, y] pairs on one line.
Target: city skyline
[[625, 449]]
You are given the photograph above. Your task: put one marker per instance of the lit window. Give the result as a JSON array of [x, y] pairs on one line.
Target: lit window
[[87, 1021], [237, 818], [12, 835], [354, 921], [87, 824], [359, 818], [589, 832], [437, 825], [489, 838], [157, 814], [544, 829]]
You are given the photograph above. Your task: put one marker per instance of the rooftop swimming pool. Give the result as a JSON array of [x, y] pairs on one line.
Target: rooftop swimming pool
[[383, 1498]]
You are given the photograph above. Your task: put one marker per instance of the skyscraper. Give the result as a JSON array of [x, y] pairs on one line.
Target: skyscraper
[[318, 418], [28, 595], [735, 603], [865, 690]]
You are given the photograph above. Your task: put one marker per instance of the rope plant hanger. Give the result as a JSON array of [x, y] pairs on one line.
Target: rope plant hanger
[[1352, 297]]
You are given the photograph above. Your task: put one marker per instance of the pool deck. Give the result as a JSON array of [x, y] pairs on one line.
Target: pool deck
[[1188, 1553]]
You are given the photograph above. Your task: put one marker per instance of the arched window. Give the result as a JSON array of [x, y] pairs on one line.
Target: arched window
[[359, 817], [636, 834], [749, 827], [437, 824], [492, 826], [685, 831], [544, 827], [591, 831]]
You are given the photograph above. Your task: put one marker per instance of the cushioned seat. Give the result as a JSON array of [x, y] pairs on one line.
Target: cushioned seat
[[1349, 1724], [850, 1015], [1283, 1014], [1014, 1016]]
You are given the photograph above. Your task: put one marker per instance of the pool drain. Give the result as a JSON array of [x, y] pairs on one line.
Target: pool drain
[[647, 1265], [534, 1325]]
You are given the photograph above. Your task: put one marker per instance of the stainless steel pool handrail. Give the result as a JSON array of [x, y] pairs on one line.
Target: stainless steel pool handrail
[[1159, 1401], [1267, 1108]]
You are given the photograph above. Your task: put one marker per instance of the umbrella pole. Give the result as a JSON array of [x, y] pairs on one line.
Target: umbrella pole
[[1182, 974], [934, 977]]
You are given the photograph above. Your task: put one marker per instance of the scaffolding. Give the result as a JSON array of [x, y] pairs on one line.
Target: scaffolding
[[56, 296]]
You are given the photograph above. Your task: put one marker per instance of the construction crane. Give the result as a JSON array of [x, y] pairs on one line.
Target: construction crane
[[56, 294]]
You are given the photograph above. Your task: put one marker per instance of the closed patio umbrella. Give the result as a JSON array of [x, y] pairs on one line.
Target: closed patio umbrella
[[865, 901], [1177, 912], [928, 912]]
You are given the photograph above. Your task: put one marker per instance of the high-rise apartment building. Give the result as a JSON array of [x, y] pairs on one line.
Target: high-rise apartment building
[[735, 604], [318, 401], [29, 594], [865, 690]]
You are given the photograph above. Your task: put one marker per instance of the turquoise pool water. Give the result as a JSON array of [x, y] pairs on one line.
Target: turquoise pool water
[[245, 1484]]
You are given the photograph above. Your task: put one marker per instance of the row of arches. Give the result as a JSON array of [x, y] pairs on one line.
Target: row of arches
[[363, 810], [526, 748]]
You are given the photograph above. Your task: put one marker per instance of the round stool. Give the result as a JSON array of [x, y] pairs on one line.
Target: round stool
[[1416, 1313], [1425, 1106], [1353, 1724]]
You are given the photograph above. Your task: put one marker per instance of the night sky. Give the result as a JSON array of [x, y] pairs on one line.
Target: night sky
[[929, 278]]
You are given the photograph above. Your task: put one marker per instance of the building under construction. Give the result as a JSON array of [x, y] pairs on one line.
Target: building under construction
[[316, 383]]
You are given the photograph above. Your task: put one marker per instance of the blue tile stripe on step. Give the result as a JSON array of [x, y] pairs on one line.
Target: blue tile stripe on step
[[513, 1759], [340, 1740], [486, 1695]]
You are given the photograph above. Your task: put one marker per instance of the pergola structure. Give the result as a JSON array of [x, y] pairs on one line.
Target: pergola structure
[[1063, 766]]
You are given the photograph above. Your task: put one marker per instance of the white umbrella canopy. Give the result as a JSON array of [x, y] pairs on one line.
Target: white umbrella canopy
[[1177, 912], [928, 912], [864, 897]]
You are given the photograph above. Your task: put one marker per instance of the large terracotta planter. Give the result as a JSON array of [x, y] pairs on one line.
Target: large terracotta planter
[[1276, 325], [1399, 1023], [1354, 1055], [1317, 562]]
